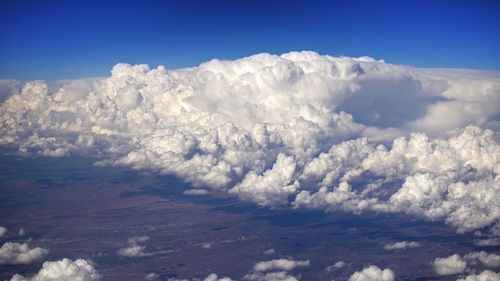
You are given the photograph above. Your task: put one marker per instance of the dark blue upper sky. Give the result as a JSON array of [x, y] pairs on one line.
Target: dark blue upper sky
[[70, 39]]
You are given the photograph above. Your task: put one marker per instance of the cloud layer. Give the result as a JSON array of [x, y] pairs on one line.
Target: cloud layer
[[300, 130]]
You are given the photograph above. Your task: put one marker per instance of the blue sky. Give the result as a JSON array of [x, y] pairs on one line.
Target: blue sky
[[70, 39]]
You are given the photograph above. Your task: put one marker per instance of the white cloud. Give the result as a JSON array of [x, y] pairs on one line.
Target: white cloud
[[3, 230], [134, 250], [17, 253], [451, 265], [270, 252], [401, 245], [488, 242], [152, 277], [279, 264], [373, 273], [63, 270], [273, 187], [489, 260], [486, 275], [297, 129], [214, 277], [276, 269], [196, 192], [336, 265], [455, 264]]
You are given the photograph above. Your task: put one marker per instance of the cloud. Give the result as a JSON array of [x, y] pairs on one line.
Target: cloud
[[152, 277], [196, 192], [455, 264], [17, 253], [299, 129], [487, 242], [3, 230], [276, 269], [489, 260], [214, 277], [373, 273], [450, 265], [486, 275], [63, 270], [401, 245], [336, 265], [134, 250], [270, 252]]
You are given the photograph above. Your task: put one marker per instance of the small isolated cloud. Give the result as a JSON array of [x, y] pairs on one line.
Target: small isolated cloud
[[3, 230], [451, 265], [63, 270], [276, 269], [486, 275], [206, 245], [270, 252], [17, 253], [134, 250], [152, 277], [401, 245], [279, 264], [214, 277], [336, 265], [196, 192], [137, 239], [373, 273]]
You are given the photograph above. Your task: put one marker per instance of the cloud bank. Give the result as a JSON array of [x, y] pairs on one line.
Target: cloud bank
[[299, 129]]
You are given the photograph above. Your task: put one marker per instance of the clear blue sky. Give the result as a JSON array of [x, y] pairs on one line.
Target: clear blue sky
[[71, 39]]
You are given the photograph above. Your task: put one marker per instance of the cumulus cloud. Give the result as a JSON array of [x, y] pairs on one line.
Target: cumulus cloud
[[489, 260], [486, 275], [17, 253], [279, 264], [456, 264], [373, 273], [134, 250], [270, 252], [451, 265], [401, 245], [214, 277], [488, 242], [336, 265], [152, 277], [299, 129], [63, 270], [276, 269]]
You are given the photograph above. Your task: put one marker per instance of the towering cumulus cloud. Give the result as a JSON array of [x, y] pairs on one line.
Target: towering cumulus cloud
[[300, 130]]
